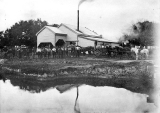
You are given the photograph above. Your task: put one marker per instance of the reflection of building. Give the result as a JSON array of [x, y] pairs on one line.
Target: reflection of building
[[68, 34], [65, 87]]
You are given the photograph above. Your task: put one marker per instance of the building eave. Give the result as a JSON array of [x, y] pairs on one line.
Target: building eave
[[40, 30]]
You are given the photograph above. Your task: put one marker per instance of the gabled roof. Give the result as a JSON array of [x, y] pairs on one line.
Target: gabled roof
[[82, 30], [52, 29]]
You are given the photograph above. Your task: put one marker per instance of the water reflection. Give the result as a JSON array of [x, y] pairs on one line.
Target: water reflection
[[2, 77], [71, 98], [76, 106], [37, 86], [66, 87]]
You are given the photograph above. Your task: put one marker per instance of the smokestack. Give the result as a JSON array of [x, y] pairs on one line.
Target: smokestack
[[78, 20]]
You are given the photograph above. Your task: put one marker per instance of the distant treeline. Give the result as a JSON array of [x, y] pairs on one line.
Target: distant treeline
[[22, 33], [141, 34]]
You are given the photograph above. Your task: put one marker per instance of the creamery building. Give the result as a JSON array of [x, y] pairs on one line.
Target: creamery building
[[66, 34]]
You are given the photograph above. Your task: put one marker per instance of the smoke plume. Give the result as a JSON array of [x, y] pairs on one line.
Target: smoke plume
[[81, 1]]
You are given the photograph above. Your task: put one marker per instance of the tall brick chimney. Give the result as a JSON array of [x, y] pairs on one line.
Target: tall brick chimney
[[78, 20]]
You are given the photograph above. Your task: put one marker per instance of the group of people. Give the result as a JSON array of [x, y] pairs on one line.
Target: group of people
[[41, 52], [71, 51], [58, 52]]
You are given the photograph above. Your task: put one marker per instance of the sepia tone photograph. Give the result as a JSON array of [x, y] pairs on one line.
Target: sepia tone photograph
[[79, 56]]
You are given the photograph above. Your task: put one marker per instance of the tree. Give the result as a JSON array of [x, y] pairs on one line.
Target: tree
[[142, 33], [24, 33], [4, 38], [1, 39]]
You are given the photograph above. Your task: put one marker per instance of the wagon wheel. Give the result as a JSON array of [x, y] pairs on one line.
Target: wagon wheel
[[97, 52]]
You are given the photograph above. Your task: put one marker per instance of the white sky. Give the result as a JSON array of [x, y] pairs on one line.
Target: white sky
[[110, 18]]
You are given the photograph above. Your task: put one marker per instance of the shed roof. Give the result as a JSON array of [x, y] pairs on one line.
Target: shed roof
[[52, 29], [82, 30], [99, 39]]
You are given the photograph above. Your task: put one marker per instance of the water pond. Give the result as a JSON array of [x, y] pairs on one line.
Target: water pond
[[19, 97]]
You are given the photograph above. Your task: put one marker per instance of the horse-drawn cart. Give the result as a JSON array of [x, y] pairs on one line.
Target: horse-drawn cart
[[116, 52], [100, 52]]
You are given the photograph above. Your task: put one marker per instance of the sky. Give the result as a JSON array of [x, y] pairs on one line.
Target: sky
[[109, 18]]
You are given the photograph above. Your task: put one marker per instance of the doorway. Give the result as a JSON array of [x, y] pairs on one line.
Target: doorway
[[60, 43]]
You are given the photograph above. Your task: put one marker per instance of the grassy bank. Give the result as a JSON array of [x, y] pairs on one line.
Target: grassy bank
[[136, 76]]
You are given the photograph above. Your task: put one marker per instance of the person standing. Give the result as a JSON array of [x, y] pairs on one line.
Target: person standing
[[33, 52], [77, 51], [39, 52], [66, 51], [62, 52], [59, 52], [45, 52], [54, 52], [69, 51], [48, 52], [73, 51]]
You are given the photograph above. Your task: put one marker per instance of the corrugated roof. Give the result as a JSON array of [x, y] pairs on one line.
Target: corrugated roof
[[82, 30], [99, 39]]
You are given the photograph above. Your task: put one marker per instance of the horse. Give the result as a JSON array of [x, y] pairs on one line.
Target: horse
[[144, 53], [136, 51]]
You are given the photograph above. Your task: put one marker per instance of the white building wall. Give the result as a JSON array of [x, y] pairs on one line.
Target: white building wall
[[71, 36], [85, 42], [46, 36]]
